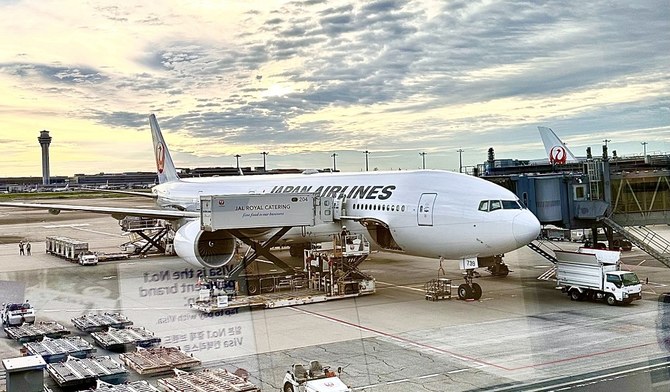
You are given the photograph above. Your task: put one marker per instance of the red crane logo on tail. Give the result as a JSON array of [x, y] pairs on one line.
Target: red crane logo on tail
[[558, 155], [160, 157]]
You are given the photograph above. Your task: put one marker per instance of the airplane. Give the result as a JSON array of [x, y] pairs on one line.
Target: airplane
[[63, 189], [431, 213], [557, 151]]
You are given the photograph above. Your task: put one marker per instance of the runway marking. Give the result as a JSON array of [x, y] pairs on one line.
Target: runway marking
[[68, 225], [79, 226], [603, 377], [400, 286], [381, 384], [480, 362]]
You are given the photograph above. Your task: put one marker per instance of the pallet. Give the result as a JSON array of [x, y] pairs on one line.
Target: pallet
[[158, 360]]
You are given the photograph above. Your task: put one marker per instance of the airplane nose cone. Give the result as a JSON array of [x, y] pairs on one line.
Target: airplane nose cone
[[525, 228]]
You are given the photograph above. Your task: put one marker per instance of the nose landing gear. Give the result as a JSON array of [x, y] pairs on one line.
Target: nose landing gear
[[469, 289]]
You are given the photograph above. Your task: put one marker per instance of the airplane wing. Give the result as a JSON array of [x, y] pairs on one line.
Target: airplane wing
[[120, 192], [116, 212]]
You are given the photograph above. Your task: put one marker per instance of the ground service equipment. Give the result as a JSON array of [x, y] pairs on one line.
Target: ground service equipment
[[314, 378], [596, 274], [14, 314], [65, 247]]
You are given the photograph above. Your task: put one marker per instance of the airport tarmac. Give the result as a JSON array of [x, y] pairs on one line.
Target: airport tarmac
[[522, 332]]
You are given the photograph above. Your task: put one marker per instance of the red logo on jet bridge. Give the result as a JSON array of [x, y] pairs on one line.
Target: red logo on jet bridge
[[160, 157], [558, 155]]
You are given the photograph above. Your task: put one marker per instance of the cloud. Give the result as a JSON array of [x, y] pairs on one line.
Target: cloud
[[344, 75]]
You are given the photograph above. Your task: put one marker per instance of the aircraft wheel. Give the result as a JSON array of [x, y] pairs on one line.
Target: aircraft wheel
[[504, 270], [611, 301], [464, 291], [476, 291], [288, 387]]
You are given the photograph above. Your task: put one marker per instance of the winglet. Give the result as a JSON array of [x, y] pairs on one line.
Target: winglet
[[164, 166], [557, 152]]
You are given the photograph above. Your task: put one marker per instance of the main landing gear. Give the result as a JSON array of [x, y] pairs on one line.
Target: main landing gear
[[469, 289]]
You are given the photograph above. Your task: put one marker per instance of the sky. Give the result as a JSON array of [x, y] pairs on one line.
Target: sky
[[303, 80]]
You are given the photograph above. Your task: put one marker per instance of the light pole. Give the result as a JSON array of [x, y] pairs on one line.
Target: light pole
[[644, 145], [264, 155], [366, 159], [237, 158], [460, 160], [606, 141], [423, 159], [334, 162]]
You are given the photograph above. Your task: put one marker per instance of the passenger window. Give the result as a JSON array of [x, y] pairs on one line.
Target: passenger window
[[484, 205], [403, 208], [495, 205]]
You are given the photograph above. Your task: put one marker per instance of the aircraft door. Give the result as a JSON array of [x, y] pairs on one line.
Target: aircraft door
[[425, 210]]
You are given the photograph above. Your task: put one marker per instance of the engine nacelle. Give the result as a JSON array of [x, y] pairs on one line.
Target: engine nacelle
[[200, 248]]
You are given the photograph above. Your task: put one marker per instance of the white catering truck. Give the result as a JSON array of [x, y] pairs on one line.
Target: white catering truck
[[596, 274]]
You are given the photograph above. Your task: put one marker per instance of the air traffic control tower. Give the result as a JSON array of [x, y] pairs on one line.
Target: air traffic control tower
[[45, 141]]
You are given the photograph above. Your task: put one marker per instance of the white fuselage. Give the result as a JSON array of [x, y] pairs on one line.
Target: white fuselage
[[428, 212]]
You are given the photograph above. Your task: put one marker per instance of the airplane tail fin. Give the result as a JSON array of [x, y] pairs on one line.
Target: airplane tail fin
[[557, 151], [164, 165]]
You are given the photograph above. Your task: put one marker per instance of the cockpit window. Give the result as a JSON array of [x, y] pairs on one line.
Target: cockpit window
[[495, 205], [484, 205], [511, 205]]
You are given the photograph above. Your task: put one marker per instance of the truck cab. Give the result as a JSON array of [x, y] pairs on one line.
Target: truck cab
[[316, 378], [15, 314], [624, 285]]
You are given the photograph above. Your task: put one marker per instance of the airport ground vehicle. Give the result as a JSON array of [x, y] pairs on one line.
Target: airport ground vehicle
[[316, 378], [14, 314], [87, 258], [65, 247], [596, 274]]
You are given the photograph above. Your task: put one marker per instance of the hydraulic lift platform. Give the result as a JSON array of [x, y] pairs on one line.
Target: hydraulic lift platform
[[330, 272]]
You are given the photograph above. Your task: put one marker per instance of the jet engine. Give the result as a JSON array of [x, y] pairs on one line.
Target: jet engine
[[200, 248]]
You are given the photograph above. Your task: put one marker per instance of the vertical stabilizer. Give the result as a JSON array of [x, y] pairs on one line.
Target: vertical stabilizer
[[557, 152], [164, 166]]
